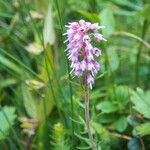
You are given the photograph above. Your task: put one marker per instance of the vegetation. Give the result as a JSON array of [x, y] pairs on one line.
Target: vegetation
[[42, 105]]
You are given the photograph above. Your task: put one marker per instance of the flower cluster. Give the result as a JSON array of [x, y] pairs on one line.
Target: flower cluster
[[81, 52]]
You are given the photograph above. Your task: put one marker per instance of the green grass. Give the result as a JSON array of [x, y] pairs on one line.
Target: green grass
[[119, 100]]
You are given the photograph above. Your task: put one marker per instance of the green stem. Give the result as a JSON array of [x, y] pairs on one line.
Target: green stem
[[52, 90], [12, 145], [138, 56], [93, 6], [127, 34], [47, 70], [49, 61], [109, 77], [68, 71]]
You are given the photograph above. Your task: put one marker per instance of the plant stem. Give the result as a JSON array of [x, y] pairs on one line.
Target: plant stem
[[87, 116], [142, 143], [138, 56], [48, 62], [68, 72], [121, 136], [133, 36]]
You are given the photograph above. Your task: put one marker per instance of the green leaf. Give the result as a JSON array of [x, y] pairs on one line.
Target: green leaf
[[7, 82], [42, 136], [107, 20], [134, 144], [143, 129], [122, 95], [49, 34], [106, 118], [102, 131], [132, 120], [76, 121], [128, 3], [141, 102], [29, 102], [7, 118], [121, 124], [123, 12], [9, 64], [97, 94], [107, 107], [86, 140], [5, 15], [90, 16], [145, 12], [113, 59]]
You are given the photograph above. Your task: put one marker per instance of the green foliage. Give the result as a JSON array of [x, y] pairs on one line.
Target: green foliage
[[90, 16], [7, 63], [141, 102], [143, 129], [121, 124], [113, 59], [42, 137], [146, 11], [128, 3], [35, 80], [29, 102], [108, 20], [116, 104], [7, 82], [49, 35], [107, 107], [7, 118], [59, 141]]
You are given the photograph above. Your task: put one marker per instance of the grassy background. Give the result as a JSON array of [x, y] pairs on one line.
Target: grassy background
[[42, 105]]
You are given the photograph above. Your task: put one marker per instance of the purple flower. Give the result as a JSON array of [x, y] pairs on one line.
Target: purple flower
[[99, 37], [78, 73], [90, 80], [81, 52], [96, 52]]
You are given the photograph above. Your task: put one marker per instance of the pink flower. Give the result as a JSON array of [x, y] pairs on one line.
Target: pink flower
[[90, 80], [81, 52], [96, 52], [86, 39], [88, 54], [96, 67], [94, 26], [99, 37], [78, 73], [83, 65]]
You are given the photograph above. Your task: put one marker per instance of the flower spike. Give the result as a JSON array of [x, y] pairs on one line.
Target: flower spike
[[81, 52]]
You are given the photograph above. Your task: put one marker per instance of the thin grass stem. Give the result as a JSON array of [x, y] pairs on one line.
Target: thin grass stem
[[49, 61], [68, 72], [47, 70], [138, 56], [21, 64]]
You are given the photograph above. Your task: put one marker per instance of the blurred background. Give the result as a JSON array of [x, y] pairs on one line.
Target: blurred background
[[42, 105]]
